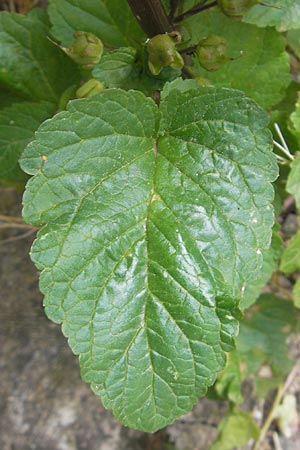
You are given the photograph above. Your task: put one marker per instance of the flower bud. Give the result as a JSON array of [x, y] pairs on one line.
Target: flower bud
[[86, 49], [162, 53], [212, 52], [236, 8], [89, 88]]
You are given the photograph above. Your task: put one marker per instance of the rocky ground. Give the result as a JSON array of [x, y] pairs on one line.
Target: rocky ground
[[44, 405]]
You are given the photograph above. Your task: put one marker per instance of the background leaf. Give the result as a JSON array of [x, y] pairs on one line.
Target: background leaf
[[293, 39], [282, 14], [17, 126], [293, 181], [261, 349], [29, 63], [155, 219], [110, 20], [290, 261], [295, 122], [261, 71], [235, 430]]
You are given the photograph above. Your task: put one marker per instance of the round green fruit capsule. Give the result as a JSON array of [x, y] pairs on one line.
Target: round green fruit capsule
[[212, 52], [89, 88], [162, 53], [86, 49], [236, 8]]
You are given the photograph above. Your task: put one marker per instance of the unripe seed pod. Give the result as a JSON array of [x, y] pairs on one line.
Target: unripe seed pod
[[212, 52], [162, 53], [203, 81], [91, 87], [86, 49], [236, 8]]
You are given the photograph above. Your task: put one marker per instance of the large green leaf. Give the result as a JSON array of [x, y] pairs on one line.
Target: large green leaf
[[155, 218], [17, 126], [261, 65], [282, 14], [111, 20], [29, 63]]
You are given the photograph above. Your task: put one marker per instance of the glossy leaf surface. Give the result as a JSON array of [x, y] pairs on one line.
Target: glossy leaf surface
[[155, 219]]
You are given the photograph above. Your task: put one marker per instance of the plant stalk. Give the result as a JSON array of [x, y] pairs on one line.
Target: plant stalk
[[151, 16], [195, 10], [279, 395]]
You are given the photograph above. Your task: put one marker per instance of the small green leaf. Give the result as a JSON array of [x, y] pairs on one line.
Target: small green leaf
[[117, 68], [111, 20], [17, 126], [29, 63], [122, 68], [149, 238], [282, 14], [296, 294], [293, 39], [294, 125], [261, 349], [290, 261], [235, 430], [270, 261], [261, 344], [260, 65], [293, 181], [228, 384]]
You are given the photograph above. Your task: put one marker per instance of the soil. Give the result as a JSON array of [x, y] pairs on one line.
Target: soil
[[44, 404]]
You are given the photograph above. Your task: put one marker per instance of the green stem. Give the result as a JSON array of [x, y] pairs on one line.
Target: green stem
[[151, 16], [269, 419], [279, 395]]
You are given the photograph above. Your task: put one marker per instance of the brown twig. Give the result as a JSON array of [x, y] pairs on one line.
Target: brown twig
[[173, 9], [20, 236], [195, 10], [151, 16], [13, 220]]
